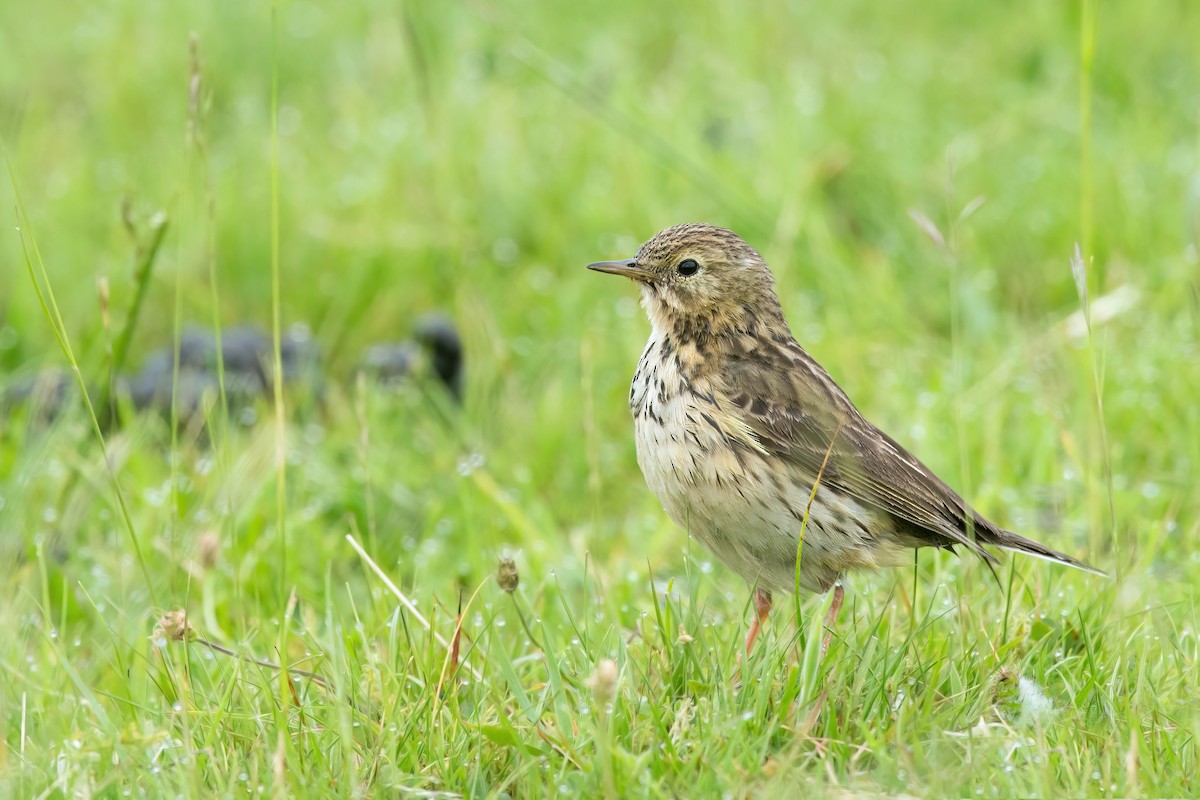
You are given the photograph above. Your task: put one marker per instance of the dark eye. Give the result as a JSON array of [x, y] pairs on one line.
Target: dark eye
[[688, 267]]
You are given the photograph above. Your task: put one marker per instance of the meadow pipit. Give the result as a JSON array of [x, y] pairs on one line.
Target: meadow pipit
[[736, 424]]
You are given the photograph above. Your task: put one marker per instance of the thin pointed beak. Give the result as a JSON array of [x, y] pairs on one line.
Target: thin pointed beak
[[626, 267]]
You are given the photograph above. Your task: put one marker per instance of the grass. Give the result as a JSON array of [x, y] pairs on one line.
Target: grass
[[474, 157]]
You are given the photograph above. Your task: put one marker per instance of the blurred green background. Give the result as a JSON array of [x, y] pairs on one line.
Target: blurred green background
[[917, 176]]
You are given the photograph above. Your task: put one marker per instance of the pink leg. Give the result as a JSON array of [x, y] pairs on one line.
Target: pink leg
[[762, 607], [831, 617]]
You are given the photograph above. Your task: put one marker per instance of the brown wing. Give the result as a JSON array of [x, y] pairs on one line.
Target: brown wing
[[797, 412]]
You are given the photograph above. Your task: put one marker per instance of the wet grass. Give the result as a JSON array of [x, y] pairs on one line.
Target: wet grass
[[919, 183]]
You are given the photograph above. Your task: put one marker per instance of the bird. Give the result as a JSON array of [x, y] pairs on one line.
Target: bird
[[751, 446]]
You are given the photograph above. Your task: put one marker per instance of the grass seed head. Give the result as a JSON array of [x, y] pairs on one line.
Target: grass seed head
[[507, 575], [603, 681], [174, 626]]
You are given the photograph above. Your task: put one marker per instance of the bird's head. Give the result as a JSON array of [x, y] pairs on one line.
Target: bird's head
[[699, 279]]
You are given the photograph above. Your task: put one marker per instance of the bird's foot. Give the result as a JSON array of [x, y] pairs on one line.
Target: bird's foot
[[830, 618], [762, 608]]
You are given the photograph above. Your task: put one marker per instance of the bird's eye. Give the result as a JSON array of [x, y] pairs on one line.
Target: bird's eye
[[688, 267]]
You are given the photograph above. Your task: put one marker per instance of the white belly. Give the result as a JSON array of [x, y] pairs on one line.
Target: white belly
[[748, 514]]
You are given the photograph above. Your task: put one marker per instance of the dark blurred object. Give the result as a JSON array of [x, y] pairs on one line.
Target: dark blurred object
[[44, 393], [437, 333], [247, 354], [435, 340], [390, 363]]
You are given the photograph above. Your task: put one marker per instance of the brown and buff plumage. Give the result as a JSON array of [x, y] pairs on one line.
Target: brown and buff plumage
[[735, 422]]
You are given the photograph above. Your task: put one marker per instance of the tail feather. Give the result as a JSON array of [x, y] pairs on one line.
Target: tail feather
[[1008, 540]]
